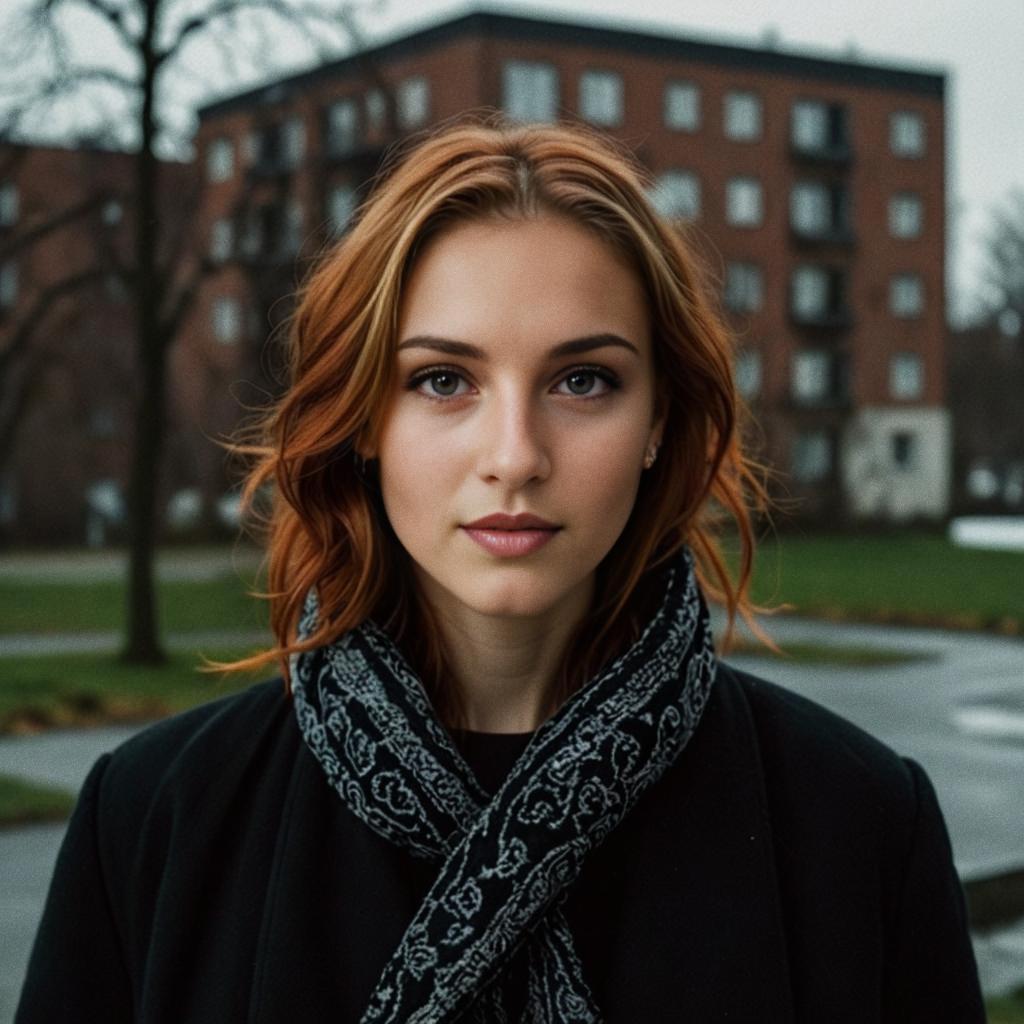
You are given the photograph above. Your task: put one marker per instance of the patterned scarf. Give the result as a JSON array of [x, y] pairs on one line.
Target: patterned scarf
[[505, 863]]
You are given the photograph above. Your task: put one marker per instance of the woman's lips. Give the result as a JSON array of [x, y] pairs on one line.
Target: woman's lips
[[509, 543]]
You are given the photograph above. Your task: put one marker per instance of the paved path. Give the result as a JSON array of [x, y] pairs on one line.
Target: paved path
[[192, 563], [109, 641], [27, 855], [26, 860]]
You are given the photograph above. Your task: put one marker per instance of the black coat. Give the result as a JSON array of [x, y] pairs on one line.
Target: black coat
[[788, 867]]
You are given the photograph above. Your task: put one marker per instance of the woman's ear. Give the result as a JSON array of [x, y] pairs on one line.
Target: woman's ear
[[362, 446], [657, 433]]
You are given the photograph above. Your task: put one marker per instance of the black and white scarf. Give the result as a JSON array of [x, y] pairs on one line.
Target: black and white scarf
[[504, 862]]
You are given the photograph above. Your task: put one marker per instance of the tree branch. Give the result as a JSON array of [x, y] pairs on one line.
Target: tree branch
[[79, 211], [30, 324], [112, 15], [299, 16], [106, 76]]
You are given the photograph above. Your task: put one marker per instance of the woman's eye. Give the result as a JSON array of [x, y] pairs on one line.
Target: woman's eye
[[442, 384], [582, 382]]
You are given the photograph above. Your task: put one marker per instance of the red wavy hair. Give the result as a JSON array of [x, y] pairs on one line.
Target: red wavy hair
[[326, 526]]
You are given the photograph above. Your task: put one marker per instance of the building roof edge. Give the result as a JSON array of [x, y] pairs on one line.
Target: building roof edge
[[667, 43]]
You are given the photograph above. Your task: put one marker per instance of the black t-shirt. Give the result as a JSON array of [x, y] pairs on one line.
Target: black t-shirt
[[491, 755]]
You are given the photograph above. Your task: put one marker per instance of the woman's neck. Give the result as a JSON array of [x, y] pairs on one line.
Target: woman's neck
[[505, 667]]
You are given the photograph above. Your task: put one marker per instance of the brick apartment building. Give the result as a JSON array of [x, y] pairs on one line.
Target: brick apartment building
[[814, 186], [64, 335], [67, 351]]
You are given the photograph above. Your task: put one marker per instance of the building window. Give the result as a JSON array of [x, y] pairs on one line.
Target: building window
[[115, 288], [222, 240], [227, 320], [220, 160], [102, 422], [744, 287], [413, 102], [816, 294], [904, 449], [817, 210], [105, 507], [906, 295], [376, 110], [253, 236], [744, 203], [906, 134], [812, 456], [112, 213], [906, 215], [8, 205], [291, 240], [818, 128], [341, 205], [748, 373], [8, 284], [676, 195], [251, 147], [601, 97], [682, 106], [342, 127], [906, 375], [742, 116], [293, 142], [812, 373], [530, 91]]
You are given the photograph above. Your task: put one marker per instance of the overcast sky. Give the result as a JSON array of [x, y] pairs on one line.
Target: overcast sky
[[980, 44]]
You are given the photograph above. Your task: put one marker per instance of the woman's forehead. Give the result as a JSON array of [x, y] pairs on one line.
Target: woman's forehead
[[544, 276]]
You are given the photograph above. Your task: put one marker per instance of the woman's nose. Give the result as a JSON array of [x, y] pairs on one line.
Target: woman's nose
[[512, 447]]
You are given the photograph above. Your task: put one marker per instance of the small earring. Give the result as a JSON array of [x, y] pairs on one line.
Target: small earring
[[652, 454]]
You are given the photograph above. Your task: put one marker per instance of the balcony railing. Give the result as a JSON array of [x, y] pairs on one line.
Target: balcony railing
[[828, 319], [838, 152], [832, 234]]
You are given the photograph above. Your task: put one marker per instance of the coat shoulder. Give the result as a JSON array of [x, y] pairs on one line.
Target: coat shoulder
[[183, 757], [807, 747]]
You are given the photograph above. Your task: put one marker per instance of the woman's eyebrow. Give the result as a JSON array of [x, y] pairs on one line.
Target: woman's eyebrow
[[565, 348]]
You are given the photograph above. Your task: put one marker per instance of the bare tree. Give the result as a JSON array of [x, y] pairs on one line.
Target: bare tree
[[136, 83], [1003, 275]]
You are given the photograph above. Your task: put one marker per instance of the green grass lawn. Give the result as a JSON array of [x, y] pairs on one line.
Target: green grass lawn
[[1006, 1009], [30, 607], [22, 802], [83, 689], [911, 577], [841, 655]]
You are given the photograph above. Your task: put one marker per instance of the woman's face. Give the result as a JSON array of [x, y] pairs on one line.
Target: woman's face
[[525, 385]]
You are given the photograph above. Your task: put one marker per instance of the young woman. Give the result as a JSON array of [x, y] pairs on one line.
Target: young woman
[[505, 777]]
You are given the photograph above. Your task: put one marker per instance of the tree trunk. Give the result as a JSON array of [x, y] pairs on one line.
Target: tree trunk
[[142, 644], [142, 641]]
